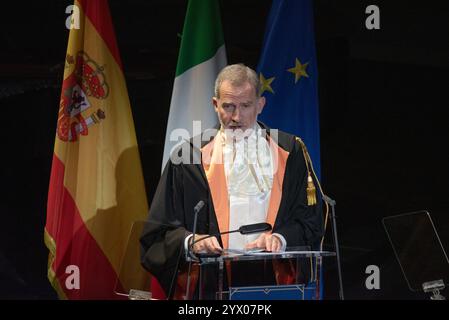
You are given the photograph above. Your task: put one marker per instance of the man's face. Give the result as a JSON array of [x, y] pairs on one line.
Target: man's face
[[238, 107]]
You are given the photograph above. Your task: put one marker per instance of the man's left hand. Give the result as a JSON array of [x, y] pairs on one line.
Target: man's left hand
[[267, 241]]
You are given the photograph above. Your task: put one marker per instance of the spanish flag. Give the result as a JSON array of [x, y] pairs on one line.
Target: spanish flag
[[96, 186]]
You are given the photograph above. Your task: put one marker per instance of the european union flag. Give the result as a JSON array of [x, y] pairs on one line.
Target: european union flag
[[288, 73]]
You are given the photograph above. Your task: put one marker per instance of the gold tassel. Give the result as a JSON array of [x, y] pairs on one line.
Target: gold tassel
[[311, 191]]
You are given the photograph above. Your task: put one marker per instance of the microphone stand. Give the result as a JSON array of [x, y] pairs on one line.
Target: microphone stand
[[196, 210], [332, 203], [245, 229]]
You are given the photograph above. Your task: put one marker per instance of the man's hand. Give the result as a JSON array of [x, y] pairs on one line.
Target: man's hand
[[209, 245], [267, 241]]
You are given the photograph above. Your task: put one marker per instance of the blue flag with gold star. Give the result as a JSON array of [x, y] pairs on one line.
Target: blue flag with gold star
[[288, 73]]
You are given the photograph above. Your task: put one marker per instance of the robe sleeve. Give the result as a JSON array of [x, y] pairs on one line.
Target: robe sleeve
[[162, 240], [303, 224]]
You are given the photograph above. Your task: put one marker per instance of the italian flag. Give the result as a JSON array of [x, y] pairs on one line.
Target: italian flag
[[96, 189], [201, 57]]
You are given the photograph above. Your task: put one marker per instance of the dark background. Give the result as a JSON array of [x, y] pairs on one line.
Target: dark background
[[383, 106]]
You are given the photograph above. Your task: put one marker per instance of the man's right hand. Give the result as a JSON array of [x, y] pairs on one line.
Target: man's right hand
[[209, 245]]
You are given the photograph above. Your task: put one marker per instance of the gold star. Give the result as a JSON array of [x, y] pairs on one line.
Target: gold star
[[265, 84], [299, 70]]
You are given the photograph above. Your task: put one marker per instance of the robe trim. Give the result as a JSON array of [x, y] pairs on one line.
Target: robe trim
[[212, 161]]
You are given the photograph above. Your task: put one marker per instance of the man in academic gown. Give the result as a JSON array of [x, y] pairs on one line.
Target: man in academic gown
[[245, 173]]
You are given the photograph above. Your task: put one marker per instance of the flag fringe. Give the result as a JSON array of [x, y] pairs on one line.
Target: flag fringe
[[51, 275]]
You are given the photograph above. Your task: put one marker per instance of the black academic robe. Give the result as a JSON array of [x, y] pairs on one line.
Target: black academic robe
[[184, 184]]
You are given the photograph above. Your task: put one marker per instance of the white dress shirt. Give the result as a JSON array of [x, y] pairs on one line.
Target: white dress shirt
[[249, 177]]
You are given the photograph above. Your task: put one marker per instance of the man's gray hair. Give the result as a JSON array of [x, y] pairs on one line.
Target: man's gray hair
[[237, 74]]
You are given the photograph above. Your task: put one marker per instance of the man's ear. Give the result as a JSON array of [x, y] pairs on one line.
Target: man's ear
[[215, 103], [260, 104]]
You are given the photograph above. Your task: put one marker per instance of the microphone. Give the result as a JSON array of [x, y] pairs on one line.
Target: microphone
[[246, 229], [198, 206], [253, 228]]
